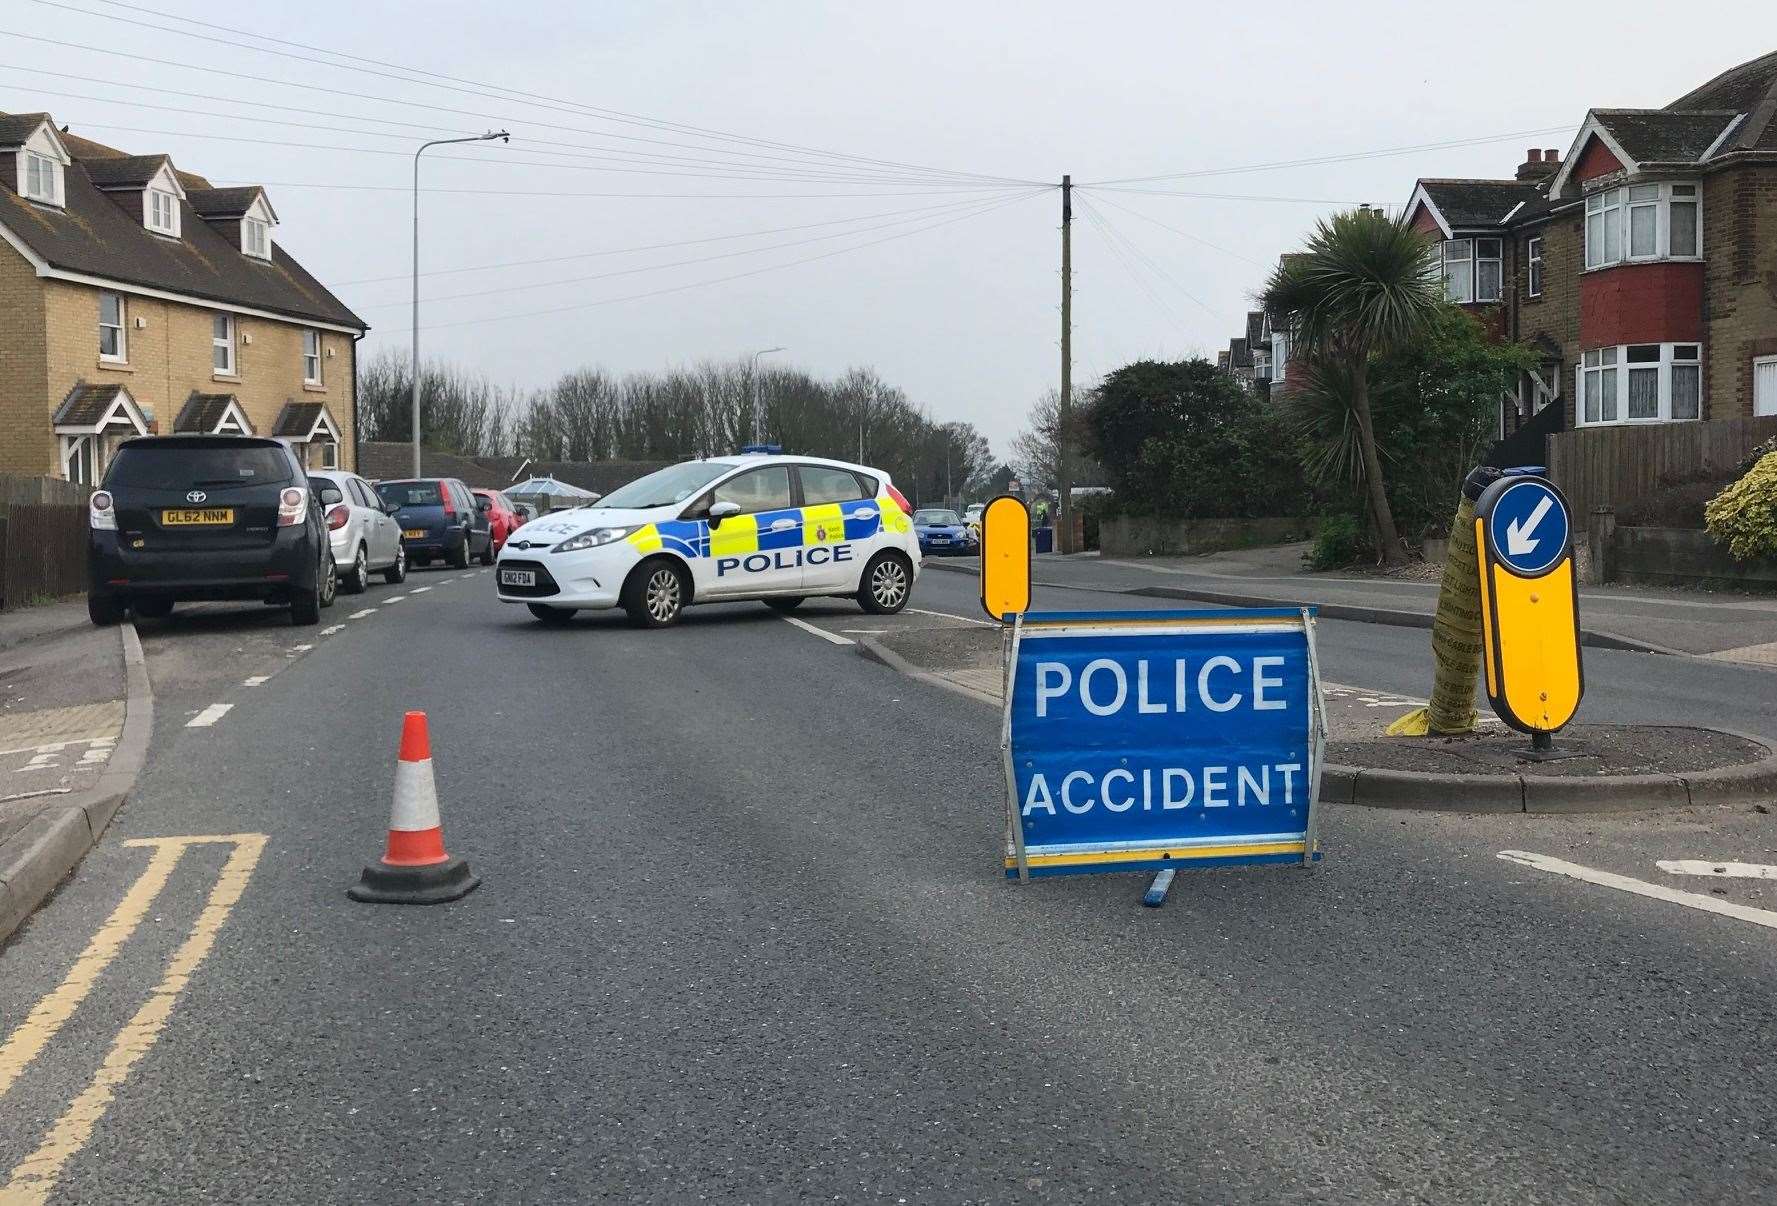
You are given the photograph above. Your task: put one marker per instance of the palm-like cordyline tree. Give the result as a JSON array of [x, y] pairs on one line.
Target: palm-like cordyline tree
[[1363, 286]]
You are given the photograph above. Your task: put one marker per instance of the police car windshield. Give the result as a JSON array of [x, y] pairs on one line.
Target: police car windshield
[[936, 519], [664, 487]]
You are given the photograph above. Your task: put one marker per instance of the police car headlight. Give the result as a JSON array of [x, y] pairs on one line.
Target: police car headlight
[[592, 539]]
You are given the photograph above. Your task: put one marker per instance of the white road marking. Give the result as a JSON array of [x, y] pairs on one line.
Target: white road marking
[[394, 598], [1700, 866], [209, 716], [1623, 883], [420, 590], [300, 648], [331, 629], [255, 680], [805, 626], [359, 615], [27, 795], [865, 631], [949, 615]]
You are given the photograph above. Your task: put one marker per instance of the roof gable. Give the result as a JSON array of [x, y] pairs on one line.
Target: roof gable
[[34, 131], [1455, 205]]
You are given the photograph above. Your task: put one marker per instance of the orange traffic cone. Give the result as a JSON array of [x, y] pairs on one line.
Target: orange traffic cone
[[415, 869]]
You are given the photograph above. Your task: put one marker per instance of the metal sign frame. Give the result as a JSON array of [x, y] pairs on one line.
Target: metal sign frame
[[1135, 621]]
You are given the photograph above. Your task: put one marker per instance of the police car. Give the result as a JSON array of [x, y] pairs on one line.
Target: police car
[[754, 526]]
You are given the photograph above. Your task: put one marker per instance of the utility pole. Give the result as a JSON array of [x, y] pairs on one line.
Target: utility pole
[[1064, 410]]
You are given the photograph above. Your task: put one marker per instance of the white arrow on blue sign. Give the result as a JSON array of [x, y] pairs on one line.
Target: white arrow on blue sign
[[1529, 527]]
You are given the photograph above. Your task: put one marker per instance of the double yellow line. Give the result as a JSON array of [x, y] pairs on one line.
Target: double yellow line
[[33, 1180]]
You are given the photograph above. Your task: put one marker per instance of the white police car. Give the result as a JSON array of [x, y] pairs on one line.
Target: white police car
[[754, 526]]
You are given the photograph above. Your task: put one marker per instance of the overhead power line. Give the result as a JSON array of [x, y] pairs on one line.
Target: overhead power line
[[587, 255], [998, 203], [1346, 157], [1143, 257], [702, 259], [477, 88], [1183, 234], [406, 190]]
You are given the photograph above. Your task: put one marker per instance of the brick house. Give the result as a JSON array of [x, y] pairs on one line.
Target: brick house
[[135, 299], [1643, 266]]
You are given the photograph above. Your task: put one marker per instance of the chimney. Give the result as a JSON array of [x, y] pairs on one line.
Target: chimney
[[1538, 165]]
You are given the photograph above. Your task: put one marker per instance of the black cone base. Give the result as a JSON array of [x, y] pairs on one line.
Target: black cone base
[[383, 884]]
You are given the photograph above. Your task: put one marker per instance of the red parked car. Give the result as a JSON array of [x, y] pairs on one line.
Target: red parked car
[[502, 519]]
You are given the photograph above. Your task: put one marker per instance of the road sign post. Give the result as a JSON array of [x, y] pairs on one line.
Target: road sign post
[[1529, 605], [1159, 740]]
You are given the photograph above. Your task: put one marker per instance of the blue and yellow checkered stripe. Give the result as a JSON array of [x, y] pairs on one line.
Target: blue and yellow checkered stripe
[[763, 531]]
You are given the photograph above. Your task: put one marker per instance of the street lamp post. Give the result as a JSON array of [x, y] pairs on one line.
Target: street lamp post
[[503, 136], [753, 380]]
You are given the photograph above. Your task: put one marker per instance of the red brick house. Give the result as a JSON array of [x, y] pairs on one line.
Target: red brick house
[[1643, 265]]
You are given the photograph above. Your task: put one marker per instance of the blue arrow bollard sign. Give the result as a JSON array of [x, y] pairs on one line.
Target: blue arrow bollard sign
[[1528, 527], [1146, 740]]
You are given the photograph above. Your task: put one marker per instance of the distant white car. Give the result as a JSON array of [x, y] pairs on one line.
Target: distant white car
[[365, 537], [780, 529]]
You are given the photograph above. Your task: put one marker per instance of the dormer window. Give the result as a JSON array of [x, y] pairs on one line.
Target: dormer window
[[256, 238], [163, 212], [42, 178]]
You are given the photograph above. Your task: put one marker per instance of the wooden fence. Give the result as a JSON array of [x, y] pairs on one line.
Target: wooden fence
[[1611, 466], [42, 553], [22, 488]]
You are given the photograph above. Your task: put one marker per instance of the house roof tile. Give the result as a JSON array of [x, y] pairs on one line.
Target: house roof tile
[[95, 237], [1664, 135], [202, 412], [85, 405], [296, 419], [1467, 204], [124, 170]]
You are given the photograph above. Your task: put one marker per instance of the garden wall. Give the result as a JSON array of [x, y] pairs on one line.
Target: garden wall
[[1138, 536]]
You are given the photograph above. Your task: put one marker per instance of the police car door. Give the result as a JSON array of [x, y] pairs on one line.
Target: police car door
[[840, 526], [758, 551]]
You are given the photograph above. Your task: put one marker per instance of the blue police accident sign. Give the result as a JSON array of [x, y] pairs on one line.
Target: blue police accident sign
[[1150, 739], [1528, 529]]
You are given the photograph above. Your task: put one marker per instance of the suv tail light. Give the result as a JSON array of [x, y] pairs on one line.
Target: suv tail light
[[337, 516], [100, 513], [900, 498], [291, 505]]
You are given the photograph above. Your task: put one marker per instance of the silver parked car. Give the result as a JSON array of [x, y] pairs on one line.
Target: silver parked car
[[363, 530]]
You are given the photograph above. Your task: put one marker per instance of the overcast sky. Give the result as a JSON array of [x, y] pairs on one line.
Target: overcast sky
[[957, 307]]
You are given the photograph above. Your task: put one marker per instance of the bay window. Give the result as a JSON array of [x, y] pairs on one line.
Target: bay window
[[1643, 222], [1641, 383], [1472, 271]]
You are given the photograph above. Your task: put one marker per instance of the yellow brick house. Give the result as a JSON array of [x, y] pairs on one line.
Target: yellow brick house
[[136, 299]]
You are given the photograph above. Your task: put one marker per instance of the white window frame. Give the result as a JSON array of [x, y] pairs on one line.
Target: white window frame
[[1608, 371], [1612, 209], [311, 378], [1497, 259], [82, 457], [224, 343], [256, 238], [1770, 401], [122, 327], [40, 177], [1533, 256], [163, 212], [1463, 267]]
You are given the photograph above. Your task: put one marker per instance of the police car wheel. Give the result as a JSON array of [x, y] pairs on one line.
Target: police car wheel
[[886, 583], [551, 615], [654, 596], [785, 604]]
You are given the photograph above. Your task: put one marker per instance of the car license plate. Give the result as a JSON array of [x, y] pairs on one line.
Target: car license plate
[[415, 533], [212, 517], [518, 577], [940, 540]]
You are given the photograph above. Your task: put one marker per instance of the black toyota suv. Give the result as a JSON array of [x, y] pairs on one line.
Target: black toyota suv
[[206, 517]]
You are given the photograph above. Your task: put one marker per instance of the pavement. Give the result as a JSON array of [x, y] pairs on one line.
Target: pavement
[[742, 936], [1720, 625]]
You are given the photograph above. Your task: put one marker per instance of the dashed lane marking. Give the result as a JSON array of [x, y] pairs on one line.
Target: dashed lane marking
[[209, 716], [394, 598], [1623, 883], [34, 1179], [255, 680], [359, 615], [333, 628], [419, 590], [33, 1034], [805, 626], [300, 648], [1703, 866]]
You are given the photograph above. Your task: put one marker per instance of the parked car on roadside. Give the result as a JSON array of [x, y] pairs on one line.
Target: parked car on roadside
[[942, 530], [198, 517], [439, 520], [365, 537], [972, 517], [503, 518]]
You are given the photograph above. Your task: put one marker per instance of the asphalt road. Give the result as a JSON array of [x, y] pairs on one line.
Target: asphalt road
[[742, 938]]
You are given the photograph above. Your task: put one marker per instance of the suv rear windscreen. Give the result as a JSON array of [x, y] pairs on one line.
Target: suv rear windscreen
[[211, 466], [410, 494]]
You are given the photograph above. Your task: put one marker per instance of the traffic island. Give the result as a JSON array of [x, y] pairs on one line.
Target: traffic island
[[1603, 768], [1595, 768]]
